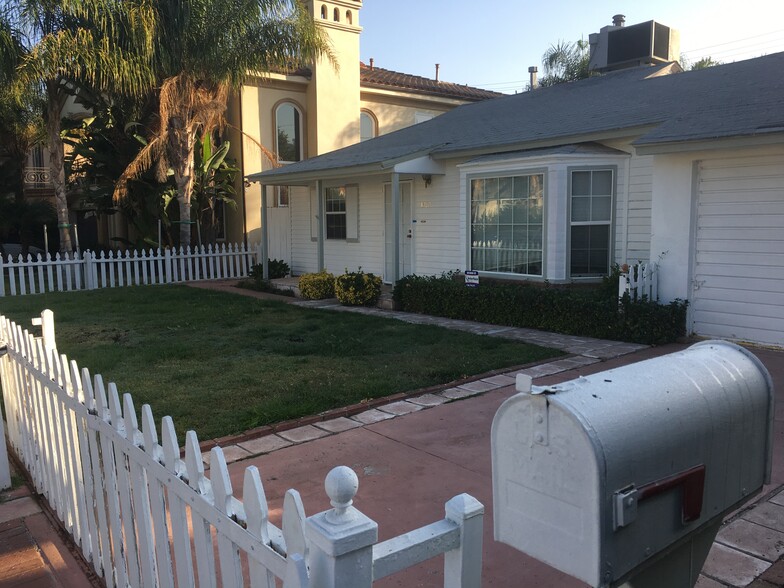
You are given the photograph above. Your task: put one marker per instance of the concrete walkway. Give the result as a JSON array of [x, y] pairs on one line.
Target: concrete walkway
[[413, 455]]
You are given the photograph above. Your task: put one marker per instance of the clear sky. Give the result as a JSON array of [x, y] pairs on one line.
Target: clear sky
[[491, 43]]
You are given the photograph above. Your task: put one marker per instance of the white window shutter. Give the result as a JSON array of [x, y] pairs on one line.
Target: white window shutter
[[314, 220], [352, 214]]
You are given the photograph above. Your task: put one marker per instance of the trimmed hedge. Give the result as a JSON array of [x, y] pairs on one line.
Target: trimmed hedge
[[317, 286], [358, 288], [594, 312]]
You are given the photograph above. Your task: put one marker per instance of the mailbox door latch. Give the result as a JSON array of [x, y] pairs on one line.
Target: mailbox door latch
[[690, 481]]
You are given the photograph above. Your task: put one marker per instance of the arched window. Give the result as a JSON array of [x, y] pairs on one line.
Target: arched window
[[288, 139], [336, 15], [324, 12], [349, 18], [368, 126]]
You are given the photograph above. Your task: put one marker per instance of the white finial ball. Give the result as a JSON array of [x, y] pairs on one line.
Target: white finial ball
[[341, 485]]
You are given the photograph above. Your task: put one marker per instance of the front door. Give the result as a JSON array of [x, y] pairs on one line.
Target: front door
[[406, 232]]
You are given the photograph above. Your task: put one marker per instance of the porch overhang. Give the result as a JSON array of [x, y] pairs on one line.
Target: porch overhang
[[413, 163]]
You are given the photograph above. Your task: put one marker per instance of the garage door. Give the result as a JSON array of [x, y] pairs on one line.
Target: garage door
[[738, 287]]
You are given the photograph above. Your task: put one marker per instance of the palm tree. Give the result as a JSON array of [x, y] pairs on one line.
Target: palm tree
[[203, 49], [565, 62], [68, 43]]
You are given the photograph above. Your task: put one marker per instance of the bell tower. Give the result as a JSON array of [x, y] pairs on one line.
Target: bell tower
[[333, 92]]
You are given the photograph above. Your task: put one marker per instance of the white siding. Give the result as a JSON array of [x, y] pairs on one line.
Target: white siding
[[739, 257], [440, 230], [368, 253], [638, 240]]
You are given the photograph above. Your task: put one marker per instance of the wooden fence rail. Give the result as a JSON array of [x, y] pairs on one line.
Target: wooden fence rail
[[90, 270], [142, 516]]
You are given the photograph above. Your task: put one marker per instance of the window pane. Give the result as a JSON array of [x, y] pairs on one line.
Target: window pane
[[491, 235], [579, 264], [602, 183], [535, 263], [367, 127], [491, 260], [581, 237], [477, 259], [491, 188], [505, 260], [600, 237], [581, 209], [336, 226], [599, 261], [505, 187], [521, 211], [521, 237], [477, 190], [535, 210], [581, 183], [506, 236], [520, 265], [477, 235], [288, 131], [536, 189], [521, 187], [601, 208], [491, 212], [506, 213], [535, 238]]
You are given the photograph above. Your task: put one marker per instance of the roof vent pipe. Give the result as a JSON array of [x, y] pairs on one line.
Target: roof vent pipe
[[438, 66], [371, 63], [619, 20], [534, 83]]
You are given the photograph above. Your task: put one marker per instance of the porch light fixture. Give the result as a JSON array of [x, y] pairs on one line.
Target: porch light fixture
[[428, 179]]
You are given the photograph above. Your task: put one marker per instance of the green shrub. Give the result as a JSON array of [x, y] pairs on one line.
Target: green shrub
[[277, 268], [587, 312], [317, 286], [358, 288]]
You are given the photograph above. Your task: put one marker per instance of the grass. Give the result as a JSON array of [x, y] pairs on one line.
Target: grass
[[222, 363]]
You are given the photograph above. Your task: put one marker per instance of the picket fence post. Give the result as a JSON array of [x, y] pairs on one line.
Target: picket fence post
[[5, 468], [2, 276], [341, 539], [463, 566]]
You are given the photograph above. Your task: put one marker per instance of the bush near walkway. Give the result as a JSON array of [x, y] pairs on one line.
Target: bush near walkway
[[582, 311], [221, 363]]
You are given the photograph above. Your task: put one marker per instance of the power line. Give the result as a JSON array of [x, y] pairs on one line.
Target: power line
[[735, 41]]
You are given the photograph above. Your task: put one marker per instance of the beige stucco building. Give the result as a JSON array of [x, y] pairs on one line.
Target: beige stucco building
[[281, 118]]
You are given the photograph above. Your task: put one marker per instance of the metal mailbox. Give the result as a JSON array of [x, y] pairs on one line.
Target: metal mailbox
[[606, 475]]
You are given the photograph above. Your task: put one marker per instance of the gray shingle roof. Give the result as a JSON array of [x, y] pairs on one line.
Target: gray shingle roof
[[739, 99]]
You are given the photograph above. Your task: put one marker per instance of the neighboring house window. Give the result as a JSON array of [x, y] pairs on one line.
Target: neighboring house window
[[507, 224], [349, 18], [591, 195], [420, 117], [324, 11], [336, 15], [367, 126], [335, 212], [289, 133], [281, 196]]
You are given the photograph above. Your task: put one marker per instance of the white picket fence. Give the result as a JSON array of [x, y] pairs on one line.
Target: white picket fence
[[126, 496], [640, 281], [90, 270]]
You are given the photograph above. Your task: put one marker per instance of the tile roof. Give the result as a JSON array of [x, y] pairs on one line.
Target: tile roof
[[741, 99], [377, 77]]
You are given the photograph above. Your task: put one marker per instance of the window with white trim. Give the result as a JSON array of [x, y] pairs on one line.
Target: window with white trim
[[288, 138], [335, 212], [507, 230], [590, 205], [281, 196]]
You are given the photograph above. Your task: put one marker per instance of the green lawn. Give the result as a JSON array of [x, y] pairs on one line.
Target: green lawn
[[222, 363]]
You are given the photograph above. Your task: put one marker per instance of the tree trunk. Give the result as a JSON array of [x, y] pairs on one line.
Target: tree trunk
[[56, 166], [182, 144]]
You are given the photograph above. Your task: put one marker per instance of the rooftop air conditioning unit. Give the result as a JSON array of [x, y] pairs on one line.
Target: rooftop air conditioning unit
[[647, 43]]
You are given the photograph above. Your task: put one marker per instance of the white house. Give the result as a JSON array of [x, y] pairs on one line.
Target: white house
[[646, 163]]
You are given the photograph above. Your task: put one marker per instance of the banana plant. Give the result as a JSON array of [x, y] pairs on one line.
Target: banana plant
[[213, 188]]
